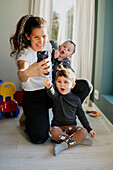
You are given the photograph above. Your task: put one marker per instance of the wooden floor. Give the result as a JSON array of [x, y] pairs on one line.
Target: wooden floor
[[17, 153]]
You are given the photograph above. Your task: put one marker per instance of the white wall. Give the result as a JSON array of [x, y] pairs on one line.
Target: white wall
[[10, 12]]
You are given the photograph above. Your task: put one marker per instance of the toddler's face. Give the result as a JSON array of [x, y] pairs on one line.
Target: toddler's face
[[64, 85], [66, 49], [38, 38]]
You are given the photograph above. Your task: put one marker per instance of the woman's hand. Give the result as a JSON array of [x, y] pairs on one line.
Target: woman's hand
[[92, 133], [36, 69]]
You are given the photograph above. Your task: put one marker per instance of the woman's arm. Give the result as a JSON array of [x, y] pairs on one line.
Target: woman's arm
[[36, 69]]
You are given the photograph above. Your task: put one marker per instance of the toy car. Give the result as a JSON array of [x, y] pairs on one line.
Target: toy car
[[8, 106]]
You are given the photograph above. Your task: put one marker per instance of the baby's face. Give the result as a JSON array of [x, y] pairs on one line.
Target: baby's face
[[66, 49], [64, 85]]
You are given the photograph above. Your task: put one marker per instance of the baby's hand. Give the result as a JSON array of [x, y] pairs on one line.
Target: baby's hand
[[92, 132], [47, 83], [56, 53]]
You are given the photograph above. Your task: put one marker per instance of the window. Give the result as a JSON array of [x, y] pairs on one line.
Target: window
[[62, 22]]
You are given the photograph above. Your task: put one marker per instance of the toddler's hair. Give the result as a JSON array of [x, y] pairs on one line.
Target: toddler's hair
[[25, 26], [67, 73]]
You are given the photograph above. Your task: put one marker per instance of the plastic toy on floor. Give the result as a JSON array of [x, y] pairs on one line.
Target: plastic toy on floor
[[18, 96], [8, 105], [92, 113]]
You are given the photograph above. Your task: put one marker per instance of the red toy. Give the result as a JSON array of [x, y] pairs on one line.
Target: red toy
[[92, 113], [8, 105], [18, 96]]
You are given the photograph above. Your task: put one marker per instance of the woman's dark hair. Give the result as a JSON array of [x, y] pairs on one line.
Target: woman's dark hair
[[25, 26]]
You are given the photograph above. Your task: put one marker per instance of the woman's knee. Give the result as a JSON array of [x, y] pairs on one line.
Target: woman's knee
[[39, 138]]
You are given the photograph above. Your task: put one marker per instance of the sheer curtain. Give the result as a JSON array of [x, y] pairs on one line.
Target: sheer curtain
[[43, 8], [62, 8], [62, 28], [83, 36]]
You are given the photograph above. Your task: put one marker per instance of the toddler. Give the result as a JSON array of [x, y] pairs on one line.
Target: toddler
[[66, 108]]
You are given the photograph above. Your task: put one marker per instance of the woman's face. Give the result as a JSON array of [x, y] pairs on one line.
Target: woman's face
[[38, 38]]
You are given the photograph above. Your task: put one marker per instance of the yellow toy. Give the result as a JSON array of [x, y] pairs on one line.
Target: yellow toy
[[7, 89]]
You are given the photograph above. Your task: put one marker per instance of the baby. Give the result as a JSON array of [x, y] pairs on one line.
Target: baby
[[62, 56]]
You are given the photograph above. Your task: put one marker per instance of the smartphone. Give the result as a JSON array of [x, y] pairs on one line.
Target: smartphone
[[41, 55]]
